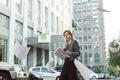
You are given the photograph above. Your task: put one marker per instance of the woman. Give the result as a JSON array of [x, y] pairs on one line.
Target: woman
[[69, 71]]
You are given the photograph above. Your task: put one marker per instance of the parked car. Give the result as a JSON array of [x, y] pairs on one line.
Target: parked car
[[58, 68], [46, 73], [21, 71], [12, 72], [35, 76], [94, 76], [101, 76]]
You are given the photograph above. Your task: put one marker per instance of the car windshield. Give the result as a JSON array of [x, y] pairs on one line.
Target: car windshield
[[36, 69], [46, 70]]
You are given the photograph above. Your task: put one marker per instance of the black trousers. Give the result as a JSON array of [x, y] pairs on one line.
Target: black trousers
[[69, 71]]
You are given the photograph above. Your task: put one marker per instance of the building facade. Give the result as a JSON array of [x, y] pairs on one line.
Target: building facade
[[90, 32], [32, 23]]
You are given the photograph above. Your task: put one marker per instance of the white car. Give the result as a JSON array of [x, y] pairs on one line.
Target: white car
[[21, 72], [46, 73], [12, 72], [94, 76], [101, 76]]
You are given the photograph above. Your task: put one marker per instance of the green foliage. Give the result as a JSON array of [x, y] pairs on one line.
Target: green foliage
[[114, 60], [112, 70], [39, 64], [97, 69], [114, 44], [114, 57]]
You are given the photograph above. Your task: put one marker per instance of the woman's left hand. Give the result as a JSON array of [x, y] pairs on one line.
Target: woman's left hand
[[68, 52]]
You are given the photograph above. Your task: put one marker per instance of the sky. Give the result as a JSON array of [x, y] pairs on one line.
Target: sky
[[111, 20]]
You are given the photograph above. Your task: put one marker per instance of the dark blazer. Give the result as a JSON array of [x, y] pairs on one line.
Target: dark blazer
[[69, 70], [74, 48]]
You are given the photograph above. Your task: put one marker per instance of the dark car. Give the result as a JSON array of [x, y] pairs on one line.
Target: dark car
[[35, 76], [58, 68]]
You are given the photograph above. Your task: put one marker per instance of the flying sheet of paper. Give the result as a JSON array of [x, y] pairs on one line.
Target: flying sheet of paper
[[20, 51], [50, 62], [60, 53], [85, 72]]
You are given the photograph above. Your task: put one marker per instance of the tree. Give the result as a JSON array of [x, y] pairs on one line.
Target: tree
[[97, 69], [114, 55], [112, 70]]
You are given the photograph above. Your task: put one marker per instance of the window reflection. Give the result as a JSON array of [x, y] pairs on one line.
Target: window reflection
[[4, 21], [19, 6], [5, 2], [3, 51]]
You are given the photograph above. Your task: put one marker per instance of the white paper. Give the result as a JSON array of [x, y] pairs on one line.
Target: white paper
[[49, 63], [20, 51], [85, 72], [60, 53]]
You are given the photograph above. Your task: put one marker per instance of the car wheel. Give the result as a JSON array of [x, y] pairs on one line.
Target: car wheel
[[94, 77], [57, 78], [4, 76]]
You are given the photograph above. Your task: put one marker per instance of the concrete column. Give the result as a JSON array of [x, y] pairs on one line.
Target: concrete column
[[25, 14], [35, 6], [43, 57], [34, 56], [12, 33]]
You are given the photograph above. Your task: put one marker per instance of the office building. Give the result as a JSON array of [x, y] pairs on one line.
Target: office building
[[90, 31], [32, 23]]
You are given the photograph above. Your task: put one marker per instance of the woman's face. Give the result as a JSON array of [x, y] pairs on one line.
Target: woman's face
[[67, 36]]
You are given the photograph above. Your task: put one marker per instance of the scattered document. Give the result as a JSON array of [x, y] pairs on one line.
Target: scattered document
[[59, 52], [20, 51], [85, 72], [50, 62]]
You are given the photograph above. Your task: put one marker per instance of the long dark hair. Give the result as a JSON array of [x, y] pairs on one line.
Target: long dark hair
[[69, 33]]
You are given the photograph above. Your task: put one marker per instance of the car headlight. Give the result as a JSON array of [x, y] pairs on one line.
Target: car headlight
[[19, 74]]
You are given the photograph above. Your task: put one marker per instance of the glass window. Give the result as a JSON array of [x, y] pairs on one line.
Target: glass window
[[80, 38], [4, 21], [30, 32], [94, 0], [97, 58], [38, 33], [85, 38], [30, 9], [94, 8], [85, 28], [46, 17], [19, 6], [51, 2], [89, 37], [95, 12], [3, 50], [95, 16], [52, 22], [94, 3], [39, 12], [89, 28], [81, 47], [85, 47], [5, 2], [19, 28], [85, 0], [90, 54], [90, 47], [36, 69], [57, 25], [16, 60], [86, 57], [44, 70]]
